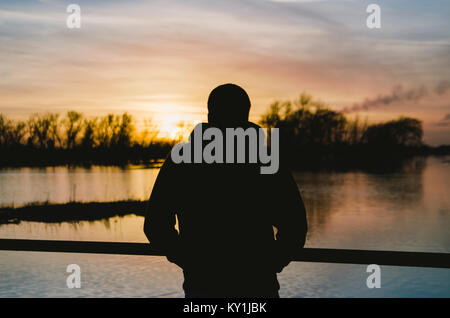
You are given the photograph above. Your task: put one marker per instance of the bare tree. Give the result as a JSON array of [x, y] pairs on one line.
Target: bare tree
[[73, 124]]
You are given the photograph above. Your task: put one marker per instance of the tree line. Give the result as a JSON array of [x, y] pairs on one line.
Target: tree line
[[51, 139], [305, 121], [50, 131], [314, 135], [311, 135]]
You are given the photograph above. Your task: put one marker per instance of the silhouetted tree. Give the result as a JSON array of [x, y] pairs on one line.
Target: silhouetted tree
[[306, 122], [312, 134], [149, 134], [355, 131], [11, 133], [125, 131], [73, 125], [404, 131], [88, 140], [309, 131], [44, 131]]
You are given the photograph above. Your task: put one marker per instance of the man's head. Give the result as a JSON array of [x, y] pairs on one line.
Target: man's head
[[228, 105]]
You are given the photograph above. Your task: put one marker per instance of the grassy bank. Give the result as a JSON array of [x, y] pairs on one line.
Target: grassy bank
[[71, 212]]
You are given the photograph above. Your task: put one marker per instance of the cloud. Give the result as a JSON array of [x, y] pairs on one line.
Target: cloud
[[29, 17], [444, 122], [274, 48], [442, 87]]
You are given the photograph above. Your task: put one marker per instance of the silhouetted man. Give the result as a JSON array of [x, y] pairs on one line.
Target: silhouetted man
[[226, 215]]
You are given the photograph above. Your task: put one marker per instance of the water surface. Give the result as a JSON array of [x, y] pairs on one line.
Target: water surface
[[408, 210]]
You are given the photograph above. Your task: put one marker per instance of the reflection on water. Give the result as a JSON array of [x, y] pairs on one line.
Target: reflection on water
[[407, 210], [115, 229], [19, 186]]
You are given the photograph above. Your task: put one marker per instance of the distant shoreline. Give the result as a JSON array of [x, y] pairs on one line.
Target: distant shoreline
[[312, 137], [338, 158]]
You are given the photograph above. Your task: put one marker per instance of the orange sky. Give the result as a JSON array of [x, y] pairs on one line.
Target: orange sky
[[161, 59]]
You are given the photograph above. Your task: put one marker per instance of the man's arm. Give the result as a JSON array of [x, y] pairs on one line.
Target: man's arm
[[159, 224], [289, 219]]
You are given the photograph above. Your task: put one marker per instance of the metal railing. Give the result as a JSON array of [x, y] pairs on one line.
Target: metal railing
[[320, 255]]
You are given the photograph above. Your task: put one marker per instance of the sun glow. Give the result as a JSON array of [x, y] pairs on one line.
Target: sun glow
[[170, 125], [175, 121]]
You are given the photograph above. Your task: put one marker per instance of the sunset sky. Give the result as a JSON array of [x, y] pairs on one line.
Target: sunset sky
[[160, 59]]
